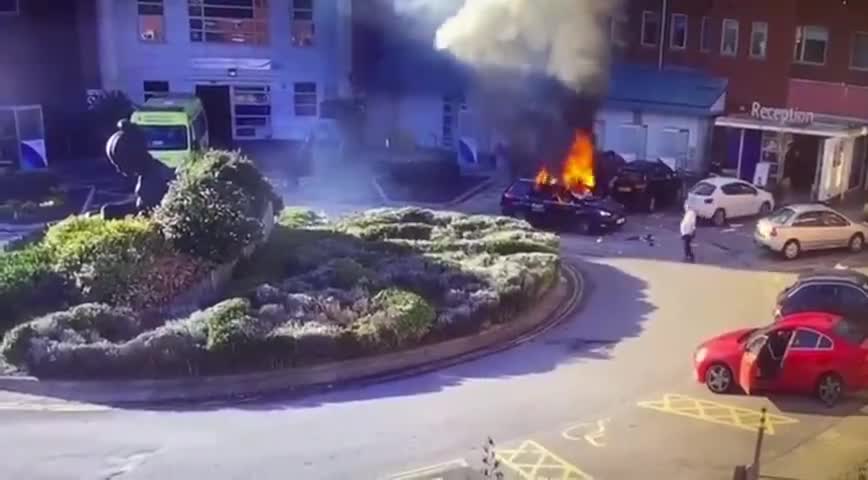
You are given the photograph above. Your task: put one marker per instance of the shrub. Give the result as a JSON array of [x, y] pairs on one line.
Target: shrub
[[235, 168], [403, 316], [157, 284], [208, 218], [29, 286], [228, 325], [102, 257], [298, 217]]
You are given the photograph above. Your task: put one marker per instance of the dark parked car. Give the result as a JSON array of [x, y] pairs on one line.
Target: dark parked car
[[841, 292], [646, 185], [607, 165], [555, 206]]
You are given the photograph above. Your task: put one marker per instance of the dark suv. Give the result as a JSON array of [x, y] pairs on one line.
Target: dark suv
[[842, 292], [555, 206], [646, 185]]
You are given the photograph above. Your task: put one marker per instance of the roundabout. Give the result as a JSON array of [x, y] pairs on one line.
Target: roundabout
[[606, 393]]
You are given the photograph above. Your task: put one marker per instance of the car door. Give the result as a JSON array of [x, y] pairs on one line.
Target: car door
[[851, 340], [852, 302], [807, 228], [809, 354], [748, 372], [751, 199], [732, 200], [836, 230]]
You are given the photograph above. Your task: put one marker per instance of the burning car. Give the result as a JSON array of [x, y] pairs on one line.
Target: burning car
[[568, 202]]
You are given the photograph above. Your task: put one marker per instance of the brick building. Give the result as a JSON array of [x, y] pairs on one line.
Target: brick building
[[797, 73]]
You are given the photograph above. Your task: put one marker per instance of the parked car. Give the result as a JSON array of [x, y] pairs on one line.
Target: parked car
[[646, 185], [607, 165], [554, 205], [723, 198], [842, 292], [811, 226], [805, 353]]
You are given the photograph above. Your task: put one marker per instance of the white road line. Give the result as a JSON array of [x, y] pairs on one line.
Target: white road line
[[51, 407], [431, 469]]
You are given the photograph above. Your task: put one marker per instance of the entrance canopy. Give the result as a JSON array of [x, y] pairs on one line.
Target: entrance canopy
[[822, 126]]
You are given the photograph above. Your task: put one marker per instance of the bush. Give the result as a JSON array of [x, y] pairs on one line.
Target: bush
[[228, 325], [102, 257], [403, 318], [208, 218], [29, 286], [298, 217], [235, 168], [157, 284]]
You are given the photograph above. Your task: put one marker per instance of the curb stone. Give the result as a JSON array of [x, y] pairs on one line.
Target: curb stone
[[559, 301]]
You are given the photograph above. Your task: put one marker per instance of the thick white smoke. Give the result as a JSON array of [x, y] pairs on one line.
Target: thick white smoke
[[566, 39]]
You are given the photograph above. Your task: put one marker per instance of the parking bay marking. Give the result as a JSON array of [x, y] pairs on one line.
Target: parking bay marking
[[532, 461], [594, 432], [719, 413], [431, 470]]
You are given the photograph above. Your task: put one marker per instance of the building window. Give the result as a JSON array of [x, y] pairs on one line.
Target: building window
[[729, 37], [251, 108], [650, 28], [304, 100], [678, 32], [618, 27], [631, 141], [155, 88], [302, 23], [859, 51], [811, 44], [235, 21], [705, 35], [152, 24], [759, 38], [9, 7]]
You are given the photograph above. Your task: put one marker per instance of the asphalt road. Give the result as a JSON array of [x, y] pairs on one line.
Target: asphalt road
[[607, 394]]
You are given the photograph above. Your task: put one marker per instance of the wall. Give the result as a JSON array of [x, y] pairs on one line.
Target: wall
[[838, 158], [127, 61]]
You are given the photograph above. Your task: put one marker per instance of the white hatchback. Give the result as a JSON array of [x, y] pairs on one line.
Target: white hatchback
[[722, 198], [811, 226]]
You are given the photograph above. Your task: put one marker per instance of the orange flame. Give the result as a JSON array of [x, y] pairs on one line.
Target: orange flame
[[543, 177], [578, 170]]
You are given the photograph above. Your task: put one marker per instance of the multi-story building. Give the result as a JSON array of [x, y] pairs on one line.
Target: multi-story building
[[45, 74], [261, 67], [797, 81]]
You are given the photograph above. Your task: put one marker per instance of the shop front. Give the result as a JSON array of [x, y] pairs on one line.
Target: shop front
[[800, 154]]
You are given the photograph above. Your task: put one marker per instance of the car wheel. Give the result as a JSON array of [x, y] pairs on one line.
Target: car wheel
[[719, 217], [765, 209], [718, 378], [792, 250], [857, 243], [830, 388]]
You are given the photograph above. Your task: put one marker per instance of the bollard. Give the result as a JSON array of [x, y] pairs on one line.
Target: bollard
[[754, 470], [740, 473]]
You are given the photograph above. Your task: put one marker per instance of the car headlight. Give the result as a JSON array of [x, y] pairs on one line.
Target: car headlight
[[604, 213], [701, 354]]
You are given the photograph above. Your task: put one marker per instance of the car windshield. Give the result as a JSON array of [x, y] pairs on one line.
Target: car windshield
[[703, 189], [782, 216], [165, 137]]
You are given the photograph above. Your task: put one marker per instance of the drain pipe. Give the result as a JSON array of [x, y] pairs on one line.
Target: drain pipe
[[662, 39]]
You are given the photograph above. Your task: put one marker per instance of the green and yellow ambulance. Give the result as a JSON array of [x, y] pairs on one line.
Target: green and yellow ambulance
[[174, 126]]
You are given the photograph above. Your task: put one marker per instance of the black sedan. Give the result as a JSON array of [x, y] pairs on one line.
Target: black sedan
[[646, 185], [841, 292], [555, 206]]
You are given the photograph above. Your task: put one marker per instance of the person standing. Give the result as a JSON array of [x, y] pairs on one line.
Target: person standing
[[688, 230]]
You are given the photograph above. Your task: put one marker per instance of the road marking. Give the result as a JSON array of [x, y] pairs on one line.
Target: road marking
[[714, 412], [430, 470], [594, 432], [532, 461], [51, 407]]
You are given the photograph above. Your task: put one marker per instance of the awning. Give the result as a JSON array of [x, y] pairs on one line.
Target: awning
[[675, 91], [823, 126]]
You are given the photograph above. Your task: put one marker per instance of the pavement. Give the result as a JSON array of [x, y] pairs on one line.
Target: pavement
[[608, 394]]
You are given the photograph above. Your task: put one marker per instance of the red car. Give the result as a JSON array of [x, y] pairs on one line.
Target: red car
[[819, 353]]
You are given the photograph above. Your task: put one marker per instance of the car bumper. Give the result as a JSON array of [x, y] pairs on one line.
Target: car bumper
[[612, 223], [772, 243]]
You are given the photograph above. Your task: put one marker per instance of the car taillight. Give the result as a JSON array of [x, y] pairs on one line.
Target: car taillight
[[709, 200]]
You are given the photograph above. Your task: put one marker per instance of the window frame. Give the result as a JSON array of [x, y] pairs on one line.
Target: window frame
[[754, 31], [835, 215], [863, 33], [294, 11], [655, 15], [257, 36], [149, 93], [155, 40], [819, 219], [14, 12], [672, 45], [816, 347], [723, 25], [799, 53], [624, 21], [705, 34], [296, 95]]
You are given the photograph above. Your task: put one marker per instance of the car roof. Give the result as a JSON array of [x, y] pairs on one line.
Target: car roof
[[643, 164], [819, 321], [850, 276], [718, 181], [809, 207]]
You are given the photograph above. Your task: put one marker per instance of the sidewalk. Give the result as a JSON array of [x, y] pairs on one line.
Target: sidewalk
[[835, 454]]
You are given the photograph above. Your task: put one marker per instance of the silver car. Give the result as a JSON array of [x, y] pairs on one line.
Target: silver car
[[810, 226]]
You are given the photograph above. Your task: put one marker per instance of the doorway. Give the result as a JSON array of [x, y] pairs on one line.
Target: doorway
[[218, 110], [800, 165]]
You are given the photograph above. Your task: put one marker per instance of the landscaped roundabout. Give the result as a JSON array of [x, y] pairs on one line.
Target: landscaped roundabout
[[213, 283]]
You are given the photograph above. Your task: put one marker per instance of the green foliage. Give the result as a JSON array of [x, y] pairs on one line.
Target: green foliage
[[228, 324], [299, 217], [208, 218], [101, 257], [28, 285], [403, 316], [235, 168]]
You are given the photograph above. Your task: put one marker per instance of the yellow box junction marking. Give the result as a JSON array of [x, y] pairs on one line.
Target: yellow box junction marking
[[718, 413], [430, 470], [592, 433], [533, 462]]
